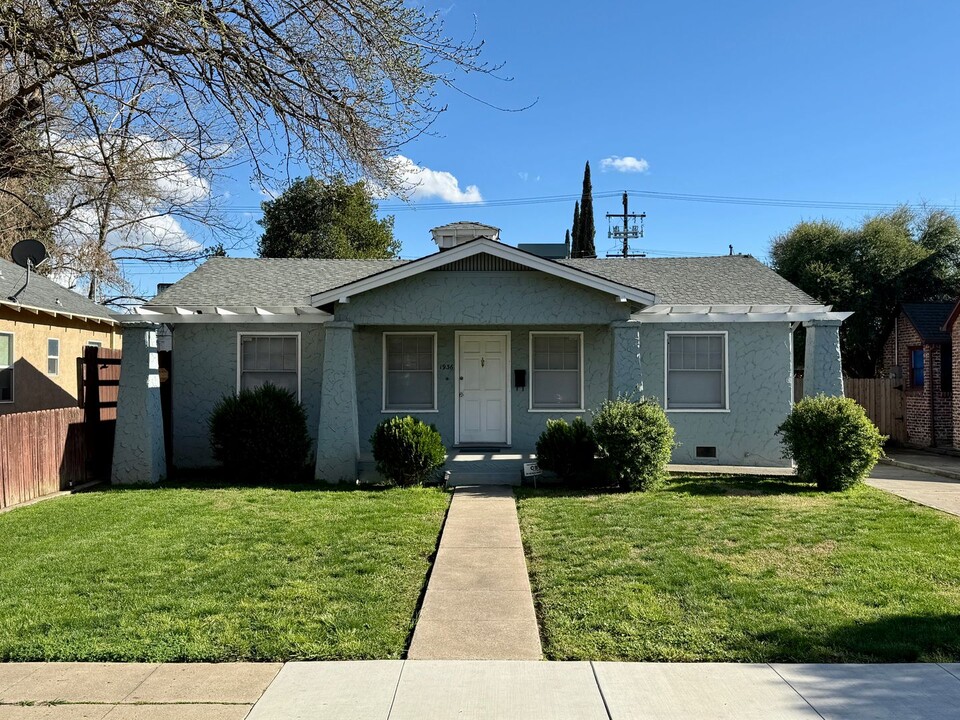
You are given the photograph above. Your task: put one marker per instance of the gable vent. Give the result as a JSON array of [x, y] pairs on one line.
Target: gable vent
[[482, 263]]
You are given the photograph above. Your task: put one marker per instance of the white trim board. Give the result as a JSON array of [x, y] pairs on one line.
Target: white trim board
[[475, 247], [736, 313]]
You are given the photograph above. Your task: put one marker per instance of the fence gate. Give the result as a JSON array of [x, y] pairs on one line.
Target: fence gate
[[99, 386], [882, 398]]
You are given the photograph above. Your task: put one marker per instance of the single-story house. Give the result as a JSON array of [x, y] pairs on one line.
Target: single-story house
[[918, 353], [483, 340], [44, 328]]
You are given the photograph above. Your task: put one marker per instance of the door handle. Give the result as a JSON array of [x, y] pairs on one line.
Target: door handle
[[461, 394]]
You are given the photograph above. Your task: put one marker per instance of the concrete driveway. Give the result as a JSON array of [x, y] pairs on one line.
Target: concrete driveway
[[925, 488]]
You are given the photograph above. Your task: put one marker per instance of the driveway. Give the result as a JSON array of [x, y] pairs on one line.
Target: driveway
[[926, 488]]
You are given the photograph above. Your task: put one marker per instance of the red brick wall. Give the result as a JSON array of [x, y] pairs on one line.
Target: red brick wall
[[921, 403]]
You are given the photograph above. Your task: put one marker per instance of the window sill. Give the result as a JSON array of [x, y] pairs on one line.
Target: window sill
[[697, 410], [556, 410], [386, 411]]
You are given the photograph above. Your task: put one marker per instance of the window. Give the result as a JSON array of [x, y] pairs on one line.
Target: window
[[696, 371], [946, 368], [409, 371], [273, 359], [53, 356], [94, 343], [557, 376], [6, 367], [916, 367]]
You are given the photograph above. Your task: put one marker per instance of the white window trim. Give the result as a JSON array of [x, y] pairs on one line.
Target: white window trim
[[530, 407], [95, 343], [726, 371], [13, 367], [241, 335], [383, 376], [52, 357]]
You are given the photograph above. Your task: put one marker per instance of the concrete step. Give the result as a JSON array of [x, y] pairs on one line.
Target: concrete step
[[469, 467]]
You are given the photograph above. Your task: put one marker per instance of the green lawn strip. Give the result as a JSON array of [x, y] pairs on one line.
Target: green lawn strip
[[742, 569], [216, 574]]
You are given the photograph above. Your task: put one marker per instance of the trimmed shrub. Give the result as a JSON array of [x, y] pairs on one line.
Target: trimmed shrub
[[260, 435], [407, 450], [832, 441], [635, 440], [568, 449]]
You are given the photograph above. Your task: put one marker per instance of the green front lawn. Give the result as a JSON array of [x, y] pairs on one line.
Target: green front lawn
[[216, 574], [743, 570]]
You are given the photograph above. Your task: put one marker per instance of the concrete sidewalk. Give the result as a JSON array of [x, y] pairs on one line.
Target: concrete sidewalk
[[478, 604], [920, 487]]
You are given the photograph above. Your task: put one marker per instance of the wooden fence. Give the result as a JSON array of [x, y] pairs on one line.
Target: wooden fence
[[41, 453], [99, 388], [882, 398]]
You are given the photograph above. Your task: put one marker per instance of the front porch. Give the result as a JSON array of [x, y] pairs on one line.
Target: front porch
[[467, 466]]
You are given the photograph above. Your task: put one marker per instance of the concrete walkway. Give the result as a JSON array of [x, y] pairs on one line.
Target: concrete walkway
[[131, 691], [920, 487], [478, 604], [942, 464]]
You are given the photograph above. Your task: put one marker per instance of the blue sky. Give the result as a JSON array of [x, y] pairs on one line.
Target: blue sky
[[840, 102]]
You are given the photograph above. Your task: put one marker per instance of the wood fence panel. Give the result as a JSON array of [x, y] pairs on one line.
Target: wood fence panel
[[882, 399], [40, 453]]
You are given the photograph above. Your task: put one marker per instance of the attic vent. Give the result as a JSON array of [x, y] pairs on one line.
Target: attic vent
[[482, 262], [706, 451]]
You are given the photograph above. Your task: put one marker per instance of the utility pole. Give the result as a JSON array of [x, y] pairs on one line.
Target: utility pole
[[626, 232]]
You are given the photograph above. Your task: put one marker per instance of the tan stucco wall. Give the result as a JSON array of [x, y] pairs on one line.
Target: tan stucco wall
[[33, 388]]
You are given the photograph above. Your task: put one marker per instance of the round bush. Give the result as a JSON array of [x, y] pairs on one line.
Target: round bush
[[635, 440], [260, 435], [832, 441], [407, 450], [569, 450]]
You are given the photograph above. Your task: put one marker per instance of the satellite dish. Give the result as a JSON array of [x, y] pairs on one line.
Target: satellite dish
[[28, 253]]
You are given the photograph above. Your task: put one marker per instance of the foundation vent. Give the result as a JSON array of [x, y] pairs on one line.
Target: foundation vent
[[706, 451]]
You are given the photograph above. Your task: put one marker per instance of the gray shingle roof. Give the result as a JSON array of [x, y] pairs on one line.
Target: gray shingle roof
[[44, 294], [266, 282], [721, 280], [928, 319], [277, 282]]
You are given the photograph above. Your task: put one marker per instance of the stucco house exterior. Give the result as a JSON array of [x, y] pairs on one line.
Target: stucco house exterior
[[483, 340], [44, 328], [918, 352]]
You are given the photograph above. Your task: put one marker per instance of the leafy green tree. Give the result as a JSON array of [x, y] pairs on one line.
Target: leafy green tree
[[316, 219], [588, 231], [890, 258]]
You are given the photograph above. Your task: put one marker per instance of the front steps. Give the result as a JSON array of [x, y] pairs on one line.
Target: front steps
[[469, 467]]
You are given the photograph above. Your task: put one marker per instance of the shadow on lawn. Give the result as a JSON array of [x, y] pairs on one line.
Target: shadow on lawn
[[897, 638], [737, 485], [214, 479]]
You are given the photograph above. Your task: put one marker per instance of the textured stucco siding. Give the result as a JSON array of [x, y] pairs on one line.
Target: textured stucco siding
[[205, 369], [761, 393], [526, 425], [482, 298]]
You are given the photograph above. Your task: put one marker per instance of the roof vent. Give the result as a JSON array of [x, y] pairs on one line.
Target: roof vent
[[458, 233]]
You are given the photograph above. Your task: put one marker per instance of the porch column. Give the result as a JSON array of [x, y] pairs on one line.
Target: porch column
[[138, 449], [626, 375], [338, 442], [822, 371]]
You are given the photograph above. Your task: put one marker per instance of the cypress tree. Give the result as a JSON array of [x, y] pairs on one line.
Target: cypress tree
[[587, 230], [566, 242], [575, 247]]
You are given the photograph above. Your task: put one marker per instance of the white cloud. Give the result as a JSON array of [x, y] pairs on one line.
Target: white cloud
[[626, 164], [420, 183], [523, 176]]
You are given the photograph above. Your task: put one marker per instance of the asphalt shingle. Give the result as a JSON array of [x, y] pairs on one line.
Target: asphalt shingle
[[44, 294], [928, 319]]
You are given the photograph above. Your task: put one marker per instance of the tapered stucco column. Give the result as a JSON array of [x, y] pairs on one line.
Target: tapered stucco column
[[338, 442], [138, 450], [626, 374], [822, 371]]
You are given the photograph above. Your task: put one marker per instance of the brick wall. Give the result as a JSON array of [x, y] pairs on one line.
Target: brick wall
[[955, 335], [930, 400]]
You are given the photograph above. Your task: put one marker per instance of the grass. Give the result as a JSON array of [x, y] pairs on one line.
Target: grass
[[743, 569], [215, 574]]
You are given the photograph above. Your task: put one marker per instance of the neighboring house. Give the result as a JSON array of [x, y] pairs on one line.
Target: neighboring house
[[43, 330], [918, 352], [483, 340], [952, 328]]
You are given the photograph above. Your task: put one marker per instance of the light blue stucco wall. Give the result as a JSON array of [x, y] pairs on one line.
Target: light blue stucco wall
[[205, 369], [526, 426], [761, 392], [482, 298]]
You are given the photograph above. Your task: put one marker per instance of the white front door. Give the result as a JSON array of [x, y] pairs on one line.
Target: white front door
[[482, 397]]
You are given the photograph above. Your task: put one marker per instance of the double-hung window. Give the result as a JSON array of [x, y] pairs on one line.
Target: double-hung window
[[696, 371], [6, 367], [273, 359], [917, 374], [409, 372], [557, 371], [53, 356]]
